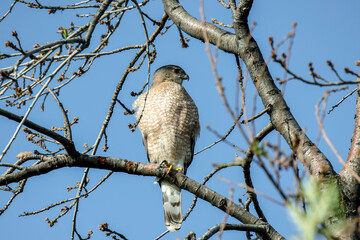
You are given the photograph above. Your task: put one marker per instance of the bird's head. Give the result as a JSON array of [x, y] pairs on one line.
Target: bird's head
[[169, 73]]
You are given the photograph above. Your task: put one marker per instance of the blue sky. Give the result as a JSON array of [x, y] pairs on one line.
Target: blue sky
[[132, 204]]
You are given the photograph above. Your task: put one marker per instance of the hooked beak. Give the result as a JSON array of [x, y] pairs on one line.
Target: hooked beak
[[186, 77]]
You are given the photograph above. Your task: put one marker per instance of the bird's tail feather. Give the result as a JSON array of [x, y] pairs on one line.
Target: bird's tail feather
[[172, 205]]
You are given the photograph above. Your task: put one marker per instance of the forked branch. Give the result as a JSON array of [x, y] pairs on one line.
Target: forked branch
[[243, 45]]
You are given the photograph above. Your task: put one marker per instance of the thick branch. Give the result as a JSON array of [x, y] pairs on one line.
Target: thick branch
[[245, 46], [145, 169], [350, 186]]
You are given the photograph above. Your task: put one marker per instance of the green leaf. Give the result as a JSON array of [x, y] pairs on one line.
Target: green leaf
[[258, 150], [323, 204]]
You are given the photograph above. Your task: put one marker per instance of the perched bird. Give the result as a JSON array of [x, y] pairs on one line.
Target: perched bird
[[169, 123]]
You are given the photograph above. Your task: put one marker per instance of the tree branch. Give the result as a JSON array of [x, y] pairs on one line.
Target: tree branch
[[145, 169], [246, 170], [238, 227], [350, 186], [246, 47], [94, 22], [68, 144], [48, 47]]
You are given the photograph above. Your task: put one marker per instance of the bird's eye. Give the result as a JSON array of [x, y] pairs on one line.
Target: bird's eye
[[176, 70]]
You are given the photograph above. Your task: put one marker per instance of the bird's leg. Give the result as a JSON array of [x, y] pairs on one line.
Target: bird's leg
[[170, 166], [167, 164]]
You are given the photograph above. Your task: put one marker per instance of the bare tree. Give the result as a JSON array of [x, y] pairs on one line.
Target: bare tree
[[34, 76]]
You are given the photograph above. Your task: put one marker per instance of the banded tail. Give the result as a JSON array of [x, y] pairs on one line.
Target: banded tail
[[172, 205]]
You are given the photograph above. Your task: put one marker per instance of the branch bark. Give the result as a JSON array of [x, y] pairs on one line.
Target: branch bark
[[349, 185], [145, 169], [244, 45]]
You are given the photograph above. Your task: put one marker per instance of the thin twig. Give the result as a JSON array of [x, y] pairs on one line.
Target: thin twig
[[7, 13], [241, 185], [223, 137], [104, 5], [105, 228], [343, 99], [68, 144], [213, 61], [244, 109], [271, 178], [69, 199], [206, 179], [19, 190], [54, 8], [128, 111], [50, 78], [11, 165], [327, 139], [246, 168], [63, 111], [218, 135], [239, 227], [239, 81], [257, 115], [161, 235]]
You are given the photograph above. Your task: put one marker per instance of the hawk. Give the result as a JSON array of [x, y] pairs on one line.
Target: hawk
[[169, 123]]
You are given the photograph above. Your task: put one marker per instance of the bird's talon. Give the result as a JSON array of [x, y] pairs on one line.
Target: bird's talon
[[170, 166], [165, 163]]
